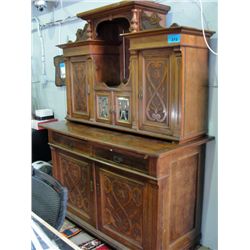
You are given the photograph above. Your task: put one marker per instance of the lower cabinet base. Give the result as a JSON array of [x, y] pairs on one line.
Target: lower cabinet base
[[131, 192], [191, 245]]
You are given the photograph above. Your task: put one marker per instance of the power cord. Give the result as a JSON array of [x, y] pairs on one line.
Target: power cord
[[203, 31]]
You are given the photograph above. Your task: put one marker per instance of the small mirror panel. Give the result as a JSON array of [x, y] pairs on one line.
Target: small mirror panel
[[123, 114], [103, 107]]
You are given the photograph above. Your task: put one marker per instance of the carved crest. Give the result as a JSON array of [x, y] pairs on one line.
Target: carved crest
[[150, 22], [81, 34]]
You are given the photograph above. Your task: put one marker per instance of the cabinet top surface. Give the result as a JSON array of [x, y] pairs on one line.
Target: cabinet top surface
[[149, 146], [120, 6]]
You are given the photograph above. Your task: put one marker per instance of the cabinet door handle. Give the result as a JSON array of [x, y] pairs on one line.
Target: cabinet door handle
[[140, 95]]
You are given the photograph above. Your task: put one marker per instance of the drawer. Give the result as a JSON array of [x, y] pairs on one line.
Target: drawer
[[70, 143], [131, 160]]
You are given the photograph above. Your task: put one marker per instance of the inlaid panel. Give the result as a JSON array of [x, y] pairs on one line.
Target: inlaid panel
[[77, 177], [79, 88], [121, 206]]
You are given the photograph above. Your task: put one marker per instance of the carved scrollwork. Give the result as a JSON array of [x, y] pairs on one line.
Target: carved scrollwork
[[123, 206], [156, 109], [75, 179]]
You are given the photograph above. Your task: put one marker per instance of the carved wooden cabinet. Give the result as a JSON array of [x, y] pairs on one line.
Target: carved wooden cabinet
[[132, 192], [135, 182]]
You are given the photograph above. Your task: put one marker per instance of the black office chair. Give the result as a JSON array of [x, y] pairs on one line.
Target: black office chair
[[49, 198]]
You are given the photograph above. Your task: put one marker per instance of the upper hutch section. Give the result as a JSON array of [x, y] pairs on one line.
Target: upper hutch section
[[140, 15], [127, 71]]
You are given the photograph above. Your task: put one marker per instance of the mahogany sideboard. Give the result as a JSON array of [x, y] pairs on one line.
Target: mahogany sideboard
[[132, 150], [131, 191]]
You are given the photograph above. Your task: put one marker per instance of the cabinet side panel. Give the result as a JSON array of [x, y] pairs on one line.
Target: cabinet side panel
[[184, 175], [196, 92]]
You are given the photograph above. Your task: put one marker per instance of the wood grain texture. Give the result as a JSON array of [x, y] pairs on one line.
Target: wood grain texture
[[115, 139]]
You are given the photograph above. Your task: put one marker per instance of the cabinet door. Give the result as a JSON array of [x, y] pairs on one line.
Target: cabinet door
[[76, 174], [120, 207], [155, 91], [78, 91], [122, 107]]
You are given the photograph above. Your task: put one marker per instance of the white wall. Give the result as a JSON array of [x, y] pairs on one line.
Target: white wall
[[185, 13]]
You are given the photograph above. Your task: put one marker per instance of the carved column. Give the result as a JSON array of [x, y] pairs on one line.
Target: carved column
[[89, 31], [134, 27]]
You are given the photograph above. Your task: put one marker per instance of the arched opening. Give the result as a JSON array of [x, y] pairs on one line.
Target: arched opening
[[115, 58]]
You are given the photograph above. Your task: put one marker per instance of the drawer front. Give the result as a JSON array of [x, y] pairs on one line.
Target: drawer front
[[71, 143], [132, 160]]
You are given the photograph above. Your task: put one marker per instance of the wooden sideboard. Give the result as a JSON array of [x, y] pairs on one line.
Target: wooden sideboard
[[131, 191], [132, 149]]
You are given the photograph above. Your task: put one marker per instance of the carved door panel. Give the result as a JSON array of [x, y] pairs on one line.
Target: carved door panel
[[155, 91], [120, 207], [79, 88], [122, 107], [104, 108], [76, 174]]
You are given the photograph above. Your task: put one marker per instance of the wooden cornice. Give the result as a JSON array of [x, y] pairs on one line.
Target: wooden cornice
[[123, 6], [171, 30]]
